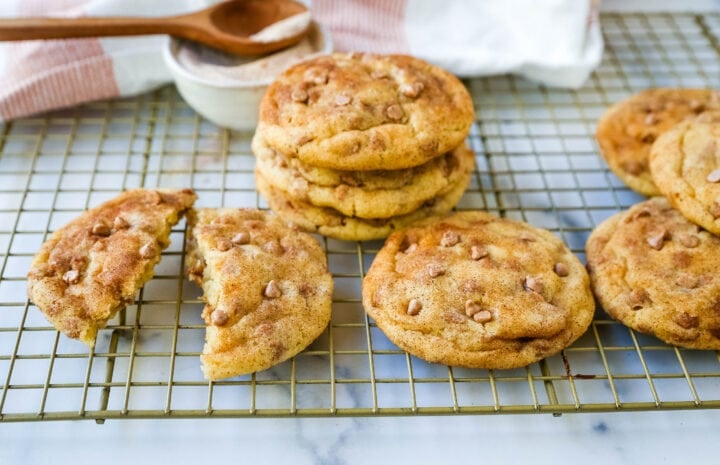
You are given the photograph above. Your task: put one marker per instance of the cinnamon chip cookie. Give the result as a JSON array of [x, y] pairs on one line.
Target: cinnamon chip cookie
[[628, 129], [656, 272], [363, 193], [330, 222], [267, 289], [474, 290], [92, 267], [365, 112], [685, 164]]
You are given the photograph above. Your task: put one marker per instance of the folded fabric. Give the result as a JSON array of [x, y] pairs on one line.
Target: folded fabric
[[556, 42]]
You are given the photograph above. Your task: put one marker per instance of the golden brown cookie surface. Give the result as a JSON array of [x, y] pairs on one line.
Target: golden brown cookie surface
[[627, 130], [656, 272], [365, 112], [91, 268], [364, 194], [474, 290], [685, 164], [267, 289]]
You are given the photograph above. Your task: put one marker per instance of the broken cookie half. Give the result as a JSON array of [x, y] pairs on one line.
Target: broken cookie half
[[92, 267], [267, 289]]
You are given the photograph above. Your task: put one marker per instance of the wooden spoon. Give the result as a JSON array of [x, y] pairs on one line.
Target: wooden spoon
[[226, 26]]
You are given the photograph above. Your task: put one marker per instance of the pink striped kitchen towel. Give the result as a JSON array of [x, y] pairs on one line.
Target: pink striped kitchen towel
[[556, 42]]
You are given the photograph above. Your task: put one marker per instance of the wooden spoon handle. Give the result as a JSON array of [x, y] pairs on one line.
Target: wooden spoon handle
[[64, 28]]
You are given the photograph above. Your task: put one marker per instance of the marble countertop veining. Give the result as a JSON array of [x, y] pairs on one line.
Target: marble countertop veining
[[617, 438]]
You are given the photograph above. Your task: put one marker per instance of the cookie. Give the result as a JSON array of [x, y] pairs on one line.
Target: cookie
[[329, 222], [353, 197], [685, 164], [267, 289], [92, 267], [628, 129], [474, 290], [365, 112], [656, 272]]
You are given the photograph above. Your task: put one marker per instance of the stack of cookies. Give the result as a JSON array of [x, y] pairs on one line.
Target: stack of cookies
[[654, 267], [355, 146], [628, 129]]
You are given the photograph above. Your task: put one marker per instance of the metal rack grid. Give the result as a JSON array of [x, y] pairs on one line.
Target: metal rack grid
[[537, 161]]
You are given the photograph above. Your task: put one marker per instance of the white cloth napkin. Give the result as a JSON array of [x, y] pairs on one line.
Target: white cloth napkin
[[555, 42]]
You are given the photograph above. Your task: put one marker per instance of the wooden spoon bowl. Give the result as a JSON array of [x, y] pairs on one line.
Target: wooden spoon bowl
[[226, 26]]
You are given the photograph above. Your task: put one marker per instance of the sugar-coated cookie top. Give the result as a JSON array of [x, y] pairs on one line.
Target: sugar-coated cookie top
[[365, 112], [92, 267], [267, 289], [471, 289], [656, 272], [685, 165], [628, 129]]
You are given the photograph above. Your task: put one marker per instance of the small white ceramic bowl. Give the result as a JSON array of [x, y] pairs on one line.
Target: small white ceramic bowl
[[231, 103]]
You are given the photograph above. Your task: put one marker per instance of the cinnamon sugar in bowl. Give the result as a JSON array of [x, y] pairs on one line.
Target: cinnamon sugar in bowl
[[227, 89]]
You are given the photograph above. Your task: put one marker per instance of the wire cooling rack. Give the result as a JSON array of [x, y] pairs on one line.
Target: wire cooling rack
[[537, 161]]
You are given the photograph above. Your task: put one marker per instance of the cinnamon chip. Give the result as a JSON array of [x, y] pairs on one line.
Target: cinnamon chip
[[715, 210], [101, 229], [414, 307], [561, 269], [482, 316], [223, 245], [472, 307], [219, 318], [316, 76], [272, 290], [689, 240], [470, 285], [155, 198], [449, 239], [241, 238], [412, 90], [394, 112], [687, 281], [478, 251], [273, 247], [714, 176], [342, 191], [342, 99], [656, 239], [148, 250], [71, 277], [435, 270], [299, 95], [411, 248], [120, 223], [534, 284]]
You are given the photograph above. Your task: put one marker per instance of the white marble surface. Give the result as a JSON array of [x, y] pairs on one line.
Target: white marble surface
[[617, 438]]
